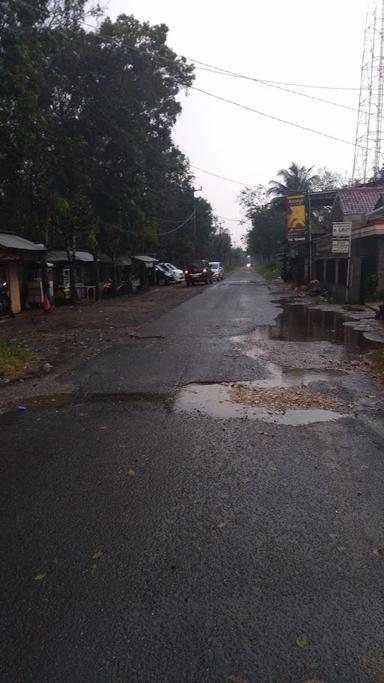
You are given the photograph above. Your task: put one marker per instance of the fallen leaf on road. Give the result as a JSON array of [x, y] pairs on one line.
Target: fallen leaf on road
[[131, 472], [235, 679], [340, 548], [39, 577], [333, 537], [302, 642], [378, 553], [314, 680], [97, 555]]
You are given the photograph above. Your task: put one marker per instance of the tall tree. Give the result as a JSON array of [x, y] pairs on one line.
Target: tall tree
[[268, 221], [86, 153], [295, 179]]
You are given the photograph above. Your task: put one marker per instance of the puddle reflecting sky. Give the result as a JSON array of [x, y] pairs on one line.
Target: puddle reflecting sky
[[302, 324]]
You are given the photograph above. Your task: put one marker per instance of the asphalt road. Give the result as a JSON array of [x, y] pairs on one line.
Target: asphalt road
[[143, 544]]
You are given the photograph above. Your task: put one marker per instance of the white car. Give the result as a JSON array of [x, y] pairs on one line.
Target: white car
[[217, 270], [176, 272]]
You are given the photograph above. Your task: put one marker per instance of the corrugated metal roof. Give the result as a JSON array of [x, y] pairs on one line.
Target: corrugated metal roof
[[146, 259], [10, 241], [57, 255], [359, 200]]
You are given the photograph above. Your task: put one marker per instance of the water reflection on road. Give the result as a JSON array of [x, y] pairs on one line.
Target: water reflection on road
[[303, 324]]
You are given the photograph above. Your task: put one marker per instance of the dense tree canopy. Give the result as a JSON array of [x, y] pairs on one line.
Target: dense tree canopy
[[86, 118]]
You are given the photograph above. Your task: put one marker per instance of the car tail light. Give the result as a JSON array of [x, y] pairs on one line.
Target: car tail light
[[204, 270]]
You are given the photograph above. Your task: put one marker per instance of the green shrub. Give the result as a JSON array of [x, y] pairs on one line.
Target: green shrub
[[269, 270], [12, 358]]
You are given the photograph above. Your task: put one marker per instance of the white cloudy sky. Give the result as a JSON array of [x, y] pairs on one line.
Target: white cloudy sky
[[301, 42]]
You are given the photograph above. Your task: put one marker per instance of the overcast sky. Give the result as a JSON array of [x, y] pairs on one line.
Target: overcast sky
[[299, 42]]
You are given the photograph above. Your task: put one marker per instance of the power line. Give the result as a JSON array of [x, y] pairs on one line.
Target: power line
[[161, 234], [274, 118], [265, 80], [233, 220], [218, 69], [277, 83], [278, 87], [216, 175]]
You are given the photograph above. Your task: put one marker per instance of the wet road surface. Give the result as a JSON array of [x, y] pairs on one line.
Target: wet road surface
[[147, 540]]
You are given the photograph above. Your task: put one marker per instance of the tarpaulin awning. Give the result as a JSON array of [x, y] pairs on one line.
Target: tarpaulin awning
[[57, 255], [9, 241], [146, 259]]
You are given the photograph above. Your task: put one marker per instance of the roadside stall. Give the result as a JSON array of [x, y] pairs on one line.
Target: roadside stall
[[85, 275], [20, 273]]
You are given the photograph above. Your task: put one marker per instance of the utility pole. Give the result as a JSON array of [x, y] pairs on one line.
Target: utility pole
[[220, 242], [195, 189]]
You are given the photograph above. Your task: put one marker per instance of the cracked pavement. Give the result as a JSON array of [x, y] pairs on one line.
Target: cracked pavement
[[145, 543]]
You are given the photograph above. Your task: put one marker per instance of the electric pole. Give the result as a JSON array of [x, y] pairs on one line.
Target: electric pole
[[195, 189]]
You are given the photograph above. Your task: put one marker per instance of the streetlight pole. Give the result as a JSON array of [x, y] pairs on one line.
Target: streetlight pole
[[195, 189]]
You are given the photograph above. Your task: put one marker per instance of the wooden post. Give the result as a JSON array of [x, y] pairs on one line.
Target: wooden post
[[14, 288]]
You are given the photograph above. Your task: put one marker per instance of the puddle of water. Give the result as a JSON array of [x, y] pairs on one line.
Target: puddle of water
[[214, 400], [64, 400], [298, 323]]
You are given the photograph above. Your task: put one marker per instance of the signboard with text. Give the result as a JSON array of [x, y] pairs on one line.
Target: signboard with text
[[341, 246], [342, 230]]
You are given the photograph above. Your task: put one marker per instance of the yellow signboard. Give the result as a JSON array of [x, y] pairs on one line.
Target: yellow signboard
[[296, 212]]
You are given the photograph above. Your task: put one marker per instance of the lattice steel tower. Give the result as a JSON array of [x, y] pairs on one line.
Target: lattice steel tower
[[369, 143]]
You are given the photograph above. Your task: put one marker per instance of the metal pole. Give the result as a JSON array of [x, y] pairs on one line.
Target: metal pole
[[195, 189], [349, 271], [309, 237]]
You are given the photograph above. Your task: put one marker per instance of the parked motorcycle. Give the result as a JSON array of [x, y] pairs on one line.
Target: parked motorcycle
[[110, 290]]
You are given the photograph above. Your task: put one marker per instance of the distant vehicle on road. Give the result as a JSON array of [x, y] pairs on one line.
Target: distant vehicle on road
[[198, 271], [176, 272], [217, 270]]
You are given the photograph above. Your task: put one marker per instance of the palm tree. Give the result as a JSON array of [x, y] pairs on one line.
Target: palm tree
[[294, 180]]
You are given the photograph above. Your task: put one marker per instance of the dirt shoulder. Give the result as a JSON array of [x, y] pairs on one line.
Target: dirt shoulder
[[65, 337]]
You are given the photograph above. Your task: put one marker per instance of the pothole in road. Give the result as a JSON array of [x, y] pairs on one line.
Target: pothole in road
[[294, 404], [300, 323]]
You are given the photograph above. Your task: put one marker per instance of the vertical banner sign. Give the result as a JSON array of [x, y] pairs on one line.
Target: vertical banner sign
[[296, 215]]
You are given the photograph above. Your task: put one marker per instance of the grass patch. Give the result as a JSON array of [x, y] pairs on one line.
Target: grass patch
[[269, 270], [12, 358], [376, 360]]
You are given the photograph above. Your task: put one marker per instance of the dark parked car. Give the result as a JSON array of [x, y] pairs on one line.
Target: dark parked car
[[198, 271], [164, 276]]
